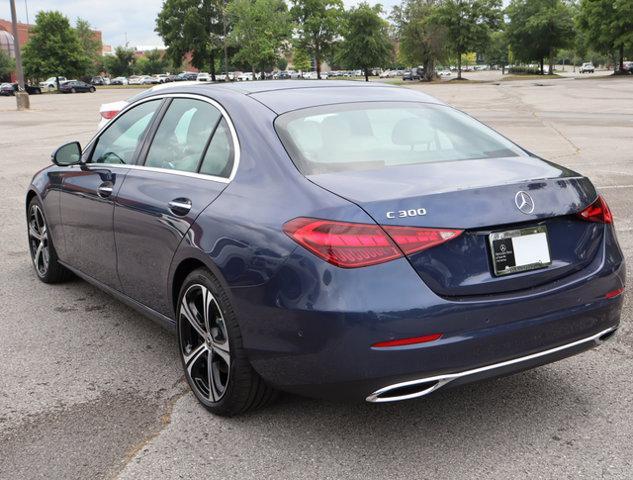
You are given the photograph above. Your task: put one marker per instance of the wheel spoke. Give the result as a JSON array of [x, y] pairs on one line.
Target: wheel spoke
[[222, 351], [207, 298], [186, 312], [211, 379], [192, 358], [38, 254], [34, 233]]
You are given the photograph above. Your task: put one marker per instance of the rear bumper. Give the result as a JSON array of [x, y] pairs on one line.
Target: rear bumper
[[314, 334]]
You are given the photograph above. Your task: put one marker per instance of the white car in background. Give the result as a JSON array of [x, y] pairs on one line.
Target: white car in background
[[50, 83], [587, 67], [110, 110], [245, 77], [134, 80], [204, 77]]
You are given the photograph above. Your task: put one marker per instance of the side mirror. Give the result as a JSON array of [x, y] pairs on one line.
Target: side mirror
[[69, 154]]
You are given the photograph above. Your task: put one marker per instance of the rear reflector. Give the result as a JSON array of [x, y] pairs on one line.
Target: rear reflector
[[408, 341], [109, 114], [598, 211], [614, 293], [352, 245]]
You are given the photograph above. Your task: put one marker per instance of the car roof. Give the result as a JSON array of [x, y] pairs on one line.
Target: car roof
[[282, 96]]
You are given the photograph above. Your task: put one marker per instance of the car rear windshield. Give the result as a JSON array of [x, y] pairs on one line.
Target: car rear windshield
[[365, 136]]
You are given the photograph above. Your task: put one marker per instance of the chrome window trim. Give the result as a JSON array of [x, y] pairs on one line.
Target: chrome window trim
[[195, 96]]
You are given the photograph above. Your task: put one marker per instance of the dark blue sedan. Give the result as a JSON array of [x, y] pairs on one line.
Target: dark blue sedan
[[332, 239]]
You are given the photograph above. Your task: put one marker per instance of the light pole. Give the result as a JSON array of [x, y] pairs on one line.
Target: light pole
[[21, 97]]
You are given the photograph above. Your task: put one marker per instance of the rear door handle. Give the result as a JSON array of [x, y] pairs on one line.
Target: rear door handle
[[180, 206], [105, 189]]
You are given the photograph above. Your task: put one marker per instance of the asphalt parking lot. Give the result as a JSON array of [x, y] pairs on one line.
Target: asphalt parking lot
[[90, 389]]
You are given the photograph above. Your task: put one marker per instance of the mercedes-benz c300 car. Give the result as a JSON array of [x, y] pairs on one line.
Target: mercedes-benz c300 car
[[332, 239]]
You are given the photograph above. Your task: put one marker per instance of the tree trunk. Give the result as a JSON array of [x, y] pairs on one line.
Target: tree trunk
[[542, 66], [366, 74], [503, 69], [551, 61], [317, 60], [621, 61], [459, 66], [212, 60]]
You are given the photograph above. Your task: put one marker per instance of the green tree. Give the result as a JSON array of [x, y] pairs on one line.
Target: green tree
[[195, 27], [156, 62], [301, 60], [282, 63], [318, 25], [7, 65], [468, 25], [90, 44], [608, 25], [54, 49], [122, 63], [538, 28], [260, 29], [366, 41], [497, 51], [422, 40]]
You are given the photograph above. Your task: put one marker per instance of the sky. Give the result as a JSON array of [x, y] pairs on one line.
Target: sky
[[118, 20]]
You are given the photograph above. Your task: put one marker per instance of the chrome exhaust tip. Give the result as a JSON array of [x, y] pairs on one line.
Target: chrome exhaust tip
[[424, 386]]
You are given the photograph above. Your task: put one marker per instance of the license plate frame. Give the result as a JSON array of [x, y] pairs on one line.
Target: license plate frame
[[532, 250]]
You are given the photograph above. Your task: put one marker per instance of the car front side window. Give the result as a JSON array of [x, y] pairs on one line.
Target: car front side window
[[118, 143]]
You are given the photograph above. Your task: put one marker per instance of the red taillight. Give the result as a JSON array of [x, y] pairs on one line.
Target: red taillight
[[416, 239], [614, 293], [109, 114], [351, 245], [598, 211], [408, 341]]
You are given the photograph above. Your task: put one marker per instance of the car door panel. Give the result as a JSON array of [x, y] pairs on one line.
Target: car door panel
[[148, 231], [90, 189], [87, 218]]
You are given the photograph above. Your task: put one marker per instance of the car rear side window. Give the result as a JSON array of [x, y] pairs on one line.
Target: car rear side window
[[120, 140], [218, 160], [183, 135], [363, 136]]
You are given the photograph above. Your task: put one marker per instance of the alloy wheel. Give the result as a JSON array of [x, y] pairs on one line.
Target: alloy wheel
[[204, 343], [38, 240]]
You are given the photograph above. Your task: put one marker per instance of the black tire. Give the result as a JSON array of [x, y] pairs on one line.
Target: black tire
[[230, 389], [43, 254], [93, 89], [72, 90]]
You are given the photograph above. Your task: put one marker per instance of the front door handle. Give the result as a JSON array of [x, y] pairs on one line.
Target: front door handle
[[180, 206], [105, 189]]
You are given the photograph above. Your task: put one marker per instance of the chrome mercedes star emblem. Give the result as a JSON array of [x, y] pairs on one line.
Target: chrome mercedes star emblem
[[524, 202]]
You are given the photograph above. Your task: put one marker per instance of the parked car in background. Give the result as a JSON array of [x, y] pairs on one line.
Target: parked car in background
[[76, 86], [628, 67], [99, 80], [203, 77], [445, 73], [134, 80], [163, 78], [149, 80], [587, 67], [245, 77], [119, 81], [50, 83], [413, 74], [186, 76], [10, 89]]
